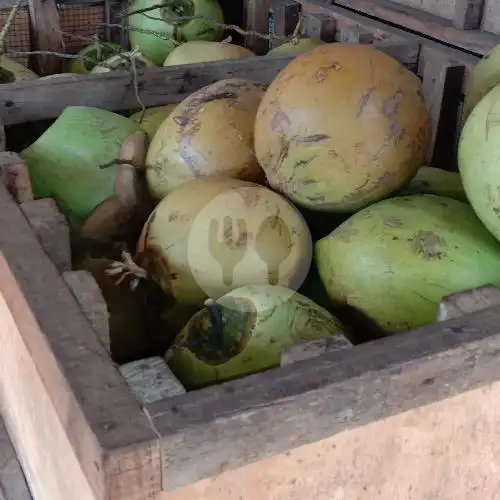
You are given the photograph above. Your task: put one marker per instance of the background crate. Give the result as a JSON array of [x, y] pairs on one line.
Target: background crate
[[301, 431]]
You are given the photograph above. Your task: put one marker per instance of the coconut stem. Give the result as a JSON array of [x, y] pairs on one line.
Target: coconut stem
[[228, 39], [8, 23], [215, 318], [127, 267]]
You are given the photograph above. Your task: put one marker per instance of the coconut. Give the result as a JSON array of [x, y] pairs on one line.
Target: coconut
[[244, 332], [478, 154], [398, 258], [436, 181], [485, 77], [122, 62], [342, 126], [295, 47], [210, 133], [211, 236], [203, 51], [11, 71], [157, 32], [97, 52], [86, 160], [152, 118]]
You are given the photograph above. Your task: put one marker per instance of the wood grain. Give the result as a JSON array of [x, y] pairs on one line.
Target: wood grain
[[222, 428], [13, 484], [313, 348], [471, 301], [69, 394], [420, 22], [46, 35]]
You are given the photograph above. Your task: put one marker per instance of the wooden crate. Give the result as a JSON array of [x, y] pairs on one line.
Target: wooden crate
[[47, 25], [413, 415], [473, 25]]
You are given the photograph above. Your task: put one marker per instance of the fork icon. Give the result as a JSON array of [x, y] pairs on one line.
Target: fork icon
[[230, 249]]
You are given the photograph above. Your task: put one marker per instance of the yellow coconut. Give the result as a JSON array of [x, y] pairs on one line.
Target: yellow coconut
[[295, 47], [341, 127], [11, 71], [202, 51], [210, 133], [152, 118], [211, 236]]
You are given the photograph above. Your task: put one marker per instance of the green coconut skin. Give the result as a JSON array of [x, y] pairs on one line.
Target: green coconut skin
[[398, 258], [295, 48], [258, 322], [478, 154], [81, 66], [64, 163], [430, 180], [157, 49]]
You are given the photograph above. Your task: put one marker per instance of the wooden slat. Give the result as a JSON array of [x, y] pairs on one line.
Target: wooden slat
[[61, 396], [471, 301], [420, 22], [468, 14], [222, 428], [46, 35]]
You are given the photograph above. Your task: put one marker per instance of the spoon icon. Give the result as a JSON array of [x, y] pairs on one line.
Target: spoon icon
[[270, 247]]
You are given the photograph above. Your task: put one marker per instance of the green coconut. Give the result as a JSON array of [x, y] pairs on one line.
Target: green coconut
[[398, 258], [123, 62], [156, 32], [430, 180], [86, 161], [11, 71], [244, 332], [295, 47], [485, 77], [97, 52], [478, 153], [152, 118]]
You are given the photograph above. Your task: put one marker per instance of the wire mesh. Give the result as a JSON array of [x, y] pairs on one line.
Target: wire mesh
[[79, 24], [18, 38]]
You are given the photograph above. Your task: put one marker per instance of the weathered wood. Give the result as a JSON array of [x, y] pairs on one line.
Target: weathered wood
[[313, 348], [468, 14], [471, 301], [356, 35], [219, 429], [422, 22], [15, 176], [151, 380], [12, 481], [46, 35], [256, 19], [283, 18], [442, 88], [61, 396], [320, 26], [91, 301], [51, 229]]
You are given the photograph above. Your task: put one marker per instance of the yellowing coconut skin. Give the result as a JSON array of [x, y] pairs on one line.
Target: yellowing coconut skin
[[210, 133], [153, 118], [211, 236], [294, 48], [342, 126], [204, 51]]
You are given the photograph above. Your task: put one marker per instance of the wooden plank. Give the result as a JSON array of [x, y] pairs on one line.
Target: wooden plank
[[418, 21], [468, 14], [20, 103], [320, 26], [313, 348], [256, 19], [283, 18], [61, 395], [151, 380], [12, 481], [442, 88], [471, 301], [46, 35], [210, 432]]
